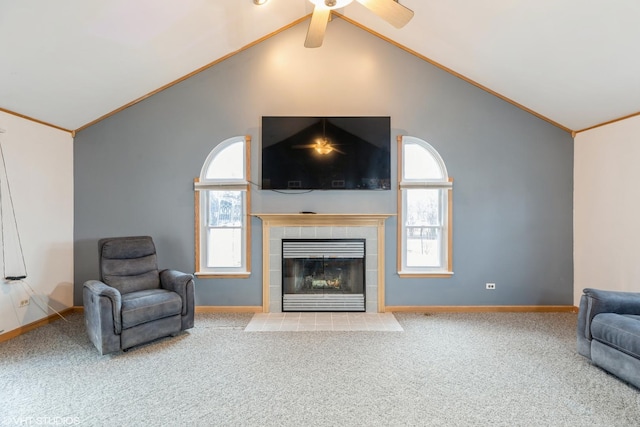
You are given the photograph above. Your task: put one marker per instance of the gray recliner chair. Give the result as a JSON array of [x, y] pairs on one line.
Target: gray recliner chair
[[134, 302]]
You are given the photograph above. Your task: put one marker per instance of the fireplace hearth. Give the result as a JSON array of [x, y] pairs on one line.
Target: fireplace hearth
[[323, 275]]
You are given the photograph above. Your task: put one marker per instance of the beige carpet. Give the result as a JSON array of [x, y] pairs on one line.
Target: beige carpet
[[305, 322], [474, 369]]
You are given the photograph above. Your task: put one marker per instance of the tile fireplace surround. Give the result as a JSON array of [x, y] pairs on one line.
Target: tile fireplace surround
[[276, 227]]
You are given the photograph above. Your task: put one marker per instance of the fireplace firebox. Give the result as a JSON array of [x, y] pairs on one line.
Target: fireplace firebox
[[323, 275]]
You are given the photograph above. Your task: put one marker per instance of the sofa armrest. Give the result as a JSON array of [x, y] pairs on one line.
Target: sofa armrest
[[600, 301], [596, 301], [180, 283], [99, 289]]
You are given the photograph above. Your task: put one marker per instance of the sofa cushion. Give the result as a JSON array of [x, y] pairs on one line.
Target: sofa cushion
[[148, 305], [619, 331]]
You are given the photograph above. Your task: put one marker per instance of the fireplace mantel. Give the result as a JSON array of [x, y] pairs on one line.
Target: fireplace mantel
[[335, 220], [313, 222]]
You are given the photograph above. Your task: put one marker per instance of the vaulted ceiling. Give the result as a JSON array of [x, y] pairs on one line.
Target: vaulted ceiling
[[68, 63]]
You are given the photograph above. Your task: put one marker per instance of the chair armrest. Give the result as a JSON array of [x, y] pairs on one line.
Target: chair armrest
[[100, 289], [177, 282]]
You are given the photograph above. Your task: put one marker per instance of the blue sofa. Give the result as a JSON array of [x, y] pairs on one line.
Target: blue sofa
[[609, 332]]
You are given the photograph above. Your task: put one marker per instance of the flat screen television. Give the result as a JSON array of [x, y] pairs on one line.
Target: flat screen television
[[326, 153]]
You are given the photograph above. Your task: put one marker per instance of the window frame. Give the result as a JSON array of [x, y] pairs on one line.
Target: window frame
[[202, 187], [445, 185]]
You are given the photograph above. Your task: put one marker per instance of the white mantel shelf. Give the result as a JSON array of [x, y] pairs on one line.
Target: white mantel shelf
[[275, 220], [322, 219]]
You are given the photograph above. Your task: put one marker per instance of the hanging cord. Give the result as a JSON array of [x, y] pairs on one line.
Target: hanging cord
[[37, 299], [15, 222]]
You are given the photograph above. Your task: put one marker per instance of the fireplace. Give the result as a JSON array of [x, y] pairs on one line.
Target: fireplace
[[279, 226], [323, 274]]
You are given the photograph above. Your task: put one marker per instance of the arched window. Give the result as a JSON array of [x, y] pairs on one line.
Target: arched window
[[424, 211], [222, 207]]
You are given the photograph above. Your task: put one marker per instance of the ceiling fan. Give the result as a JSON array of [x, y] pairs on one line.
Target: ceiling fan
[[389, 10]]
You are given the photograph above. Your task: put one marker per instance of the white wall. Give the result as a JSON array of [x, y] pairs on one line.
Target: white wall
[[607, 208], [39, 164]]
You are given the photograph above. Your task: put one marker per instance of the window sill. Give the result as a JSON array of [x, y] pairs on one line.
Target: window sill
[[432, 274], [210, 275]]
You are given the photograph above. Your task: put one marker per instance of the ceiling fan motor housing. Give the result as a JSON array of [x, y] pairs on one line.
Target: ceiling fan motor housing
[[389, 10]]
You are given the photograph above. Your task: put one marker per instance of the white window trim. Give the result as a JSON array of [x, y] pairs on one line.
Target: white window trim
[[201, 186], [446, 184]]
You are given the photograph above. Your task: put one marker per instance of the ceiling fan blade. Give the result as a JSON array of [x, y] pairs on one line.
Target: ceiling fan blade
[[317, 27], [389, 10]]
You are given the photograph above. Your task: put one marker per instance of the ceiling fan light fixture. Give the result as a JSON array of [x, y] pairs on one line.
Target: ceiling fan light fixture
[[259, 2], [323, 146], [330, 4]]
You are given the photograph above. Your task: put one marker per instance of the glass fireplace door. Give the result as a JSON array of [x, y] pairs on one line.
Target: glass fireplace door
[[323, 275]]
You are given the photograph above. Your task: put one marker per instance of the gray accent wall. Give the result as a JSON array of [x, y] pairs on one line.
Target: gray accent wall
[[513, 172]]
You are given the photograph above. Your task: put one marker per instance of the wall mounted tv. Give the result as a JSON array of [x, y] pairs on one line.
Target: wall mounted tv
[[326, 153]]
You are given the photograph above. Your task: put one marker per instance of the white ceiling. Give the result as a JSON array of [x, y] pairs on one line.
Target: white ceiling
[[70, 62]]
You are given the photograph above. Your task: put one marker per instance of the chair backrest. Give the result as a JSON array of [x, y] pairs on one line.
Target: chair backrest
[[129, 264]]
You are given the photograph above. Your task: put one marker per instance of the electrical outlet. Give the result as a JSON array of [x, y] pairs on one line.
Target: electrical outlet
[[491, 286], [24, 302]]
